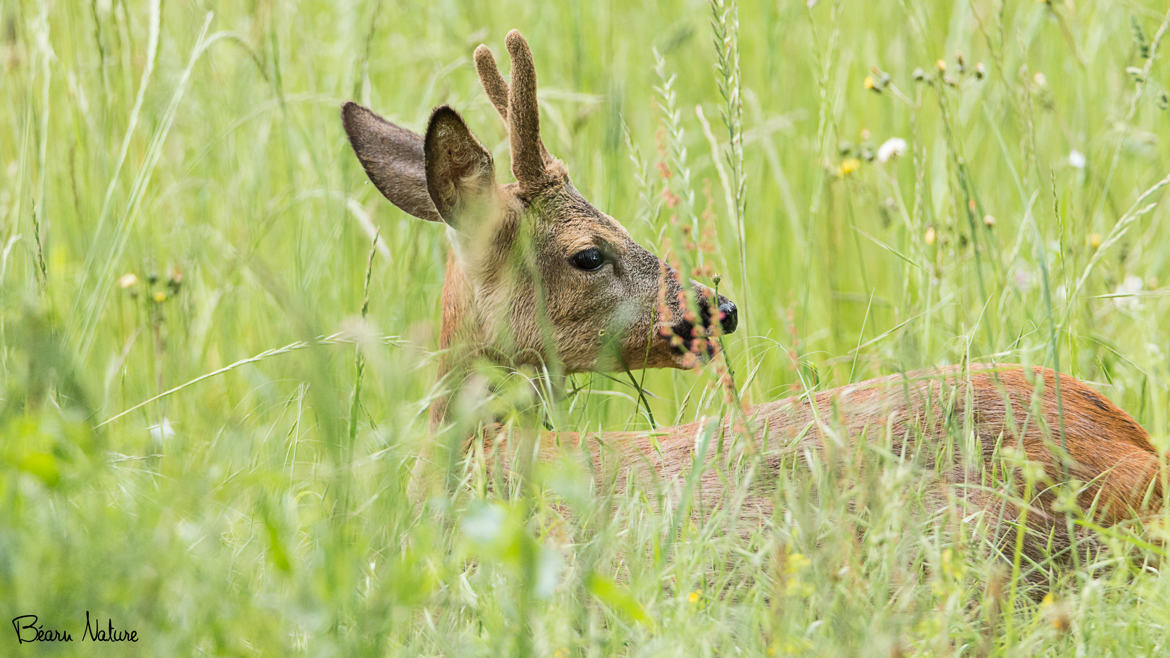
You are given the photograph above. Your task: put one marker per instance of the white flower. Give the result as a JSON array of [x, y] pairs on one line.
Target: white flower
[[1023, 279], [1076, 159], [162, 430], [891, 148], [1125, 295]]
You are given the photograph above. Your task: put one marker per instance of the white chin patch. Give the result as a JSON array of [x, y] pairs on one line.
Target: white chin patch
[[625, 315]]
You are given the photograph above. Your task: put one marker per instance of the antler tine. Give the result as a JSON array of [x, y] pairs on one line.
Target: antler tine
[[493, 83], [528, 152]]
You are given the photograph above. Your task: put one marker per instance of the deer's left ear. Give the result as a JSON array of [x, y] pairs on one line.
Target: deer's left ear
[[460, 175]]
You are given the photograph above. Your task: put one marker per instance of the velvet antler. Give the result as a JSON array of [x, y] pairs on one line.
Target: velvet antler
[[517, 105]]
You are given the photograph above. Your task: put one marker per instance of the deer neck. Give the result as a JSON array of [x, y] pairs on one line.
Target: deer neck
[[459, 337], [464, 338]]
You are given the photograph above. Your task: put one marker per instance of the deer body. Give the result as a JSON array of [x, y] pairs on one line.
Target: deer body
[[1107, 455], [539, 277]]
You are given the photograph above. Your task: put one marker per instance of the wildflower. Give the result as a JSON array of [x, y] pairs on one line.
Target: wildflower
[[796, 563], [127, 280], [161, 430], [1076, 159], [1040, 79], [871, 85], [1023, 279], [1094, 240], [941, 66], [848, 166], [1056, 613], [1126, 292], [988, 221], [891, 148], [793, 566], [159, 296], [930, 236], [693, 597], [952, 566], [980, 71], [919, 74]]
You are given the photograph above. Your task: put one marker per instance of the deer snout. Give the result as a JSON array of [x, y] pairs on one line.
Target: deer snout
[[730, 319]]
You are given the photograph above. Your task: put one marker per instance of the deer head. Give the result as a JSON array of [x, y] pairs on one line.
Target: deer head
[[538, 275]]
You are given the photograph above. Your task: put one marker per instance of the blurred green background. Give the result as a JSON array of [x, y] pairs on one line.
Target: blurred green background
[[197, 146]]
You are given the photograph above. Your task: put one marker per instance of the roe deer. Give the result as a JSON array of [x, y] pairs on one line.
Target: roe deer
[[537, 275]]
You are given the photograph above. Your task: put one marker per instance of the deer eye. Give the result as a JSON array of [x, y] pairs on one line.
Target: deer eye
[[589, 260]]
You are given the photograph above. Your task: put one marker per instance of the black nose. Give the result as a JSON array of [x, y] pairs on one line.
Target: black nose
[[730, 316]]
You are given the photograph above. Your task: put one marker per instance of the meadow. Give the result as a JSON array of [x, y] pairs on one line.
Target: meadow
[[214, 381]]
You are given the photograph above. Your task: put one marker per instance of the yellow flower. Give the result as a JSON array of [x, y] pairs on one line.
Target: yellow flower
[[1094, 240], [848, 166], [952, 566], [1048, 600], [796, 563], [942, 66], [693, 597], [870, 84], [930, 237], [160, 296]]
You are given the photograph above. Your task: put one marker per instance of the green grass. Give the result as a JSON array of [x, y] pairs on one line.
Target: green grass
[[272, 515]]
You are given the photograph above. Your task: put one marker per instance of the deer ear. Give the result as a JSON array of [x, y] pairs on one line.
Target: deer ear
[[393, 159], [459, 170]]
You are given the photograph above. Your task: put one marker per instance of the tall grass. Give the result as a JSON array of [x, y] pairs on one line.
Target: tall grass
[[198, 452]]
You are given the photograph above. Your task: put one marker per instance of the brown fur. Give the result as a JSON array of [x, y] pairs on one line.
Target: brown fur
[[493, 83], [521, 300], [513, 295], [393, 159], [1111, 462], [529, 157]]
